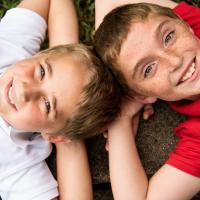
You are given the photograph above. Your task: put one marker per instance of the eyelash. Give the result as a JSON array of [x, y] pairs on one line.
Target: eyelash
[[148, 70], [169, 37], [42, 72], [47, 106]]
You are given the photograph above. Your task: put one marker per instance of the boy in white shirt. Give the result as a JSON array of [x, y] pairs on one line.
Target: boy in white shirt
[[21, 33], [48, 93]]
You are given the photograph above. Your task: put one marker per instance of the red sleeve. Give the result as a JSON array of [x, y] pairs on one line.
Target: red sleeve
[[186, 155], [190, 14], [186, 107]]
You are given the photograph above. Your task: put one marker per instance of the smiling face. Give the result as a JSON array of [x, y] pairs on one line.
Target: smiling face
[[40, 93], [161, 58]]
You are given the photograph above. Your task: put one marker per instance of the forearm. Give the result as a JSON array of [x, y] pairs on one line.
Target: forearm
[[172, 183], [42, 8], [128, 178], [73, 172], [102, 7], [63, 24]]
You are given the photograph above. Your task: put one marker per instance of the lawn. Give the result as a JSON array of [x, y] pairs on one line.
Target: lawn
[[85, 10]]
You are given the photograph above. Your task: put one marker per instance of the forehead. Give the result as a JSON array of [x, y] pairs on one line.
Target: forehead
[[68, 79]]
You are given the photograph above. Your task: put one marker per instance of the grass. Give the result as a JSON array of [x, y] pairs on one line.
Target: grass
[[85, 11]]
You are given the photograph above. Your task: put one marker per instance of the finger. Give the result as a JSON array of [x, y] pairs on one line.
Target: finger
[[105, 134], [148, 111], [147, 114], [107, 146]]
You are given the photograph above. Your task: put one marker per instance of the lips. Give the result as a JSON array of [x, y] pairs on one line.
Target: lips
[[189, 73], [9, 95]]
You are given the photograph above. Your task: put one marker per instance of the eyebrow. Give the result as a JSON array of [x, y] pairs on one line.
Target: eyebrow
[[138, 66], [54, 103], [49, 67], [157, 32], [160, 26]]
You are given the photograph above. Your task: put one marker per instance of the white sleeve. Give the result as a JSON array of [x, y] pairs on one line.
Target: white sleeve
[[21, 33], [34, 183]]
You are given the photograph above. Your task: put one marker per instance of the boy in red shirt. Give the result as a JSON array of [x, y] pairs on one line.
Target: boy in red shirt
[[156, 55]]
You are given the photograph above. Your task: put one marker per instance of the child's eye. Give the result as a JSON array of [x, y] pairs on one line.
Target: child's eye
[[47, 106], [148, 70], [169, 37], [42, 72]]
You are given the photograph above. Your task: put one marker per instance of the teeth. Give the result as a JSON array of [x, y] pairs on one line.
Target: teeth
[[189, 72], [10, 95]]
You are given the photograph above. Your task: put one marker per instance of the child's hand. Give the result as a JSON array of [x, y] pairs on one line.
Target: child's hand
[[105, 135], [130, 108], [135, 123], [148, 111], [129, 117]]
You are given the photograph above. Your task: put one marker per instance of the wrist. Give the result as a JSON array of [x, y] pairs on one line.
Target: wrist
[[73, 144], [120, 126]]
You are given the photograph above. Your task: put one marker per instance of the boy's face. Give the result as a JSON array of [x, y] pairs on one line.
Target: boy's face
[[40, 93], [161, 58]]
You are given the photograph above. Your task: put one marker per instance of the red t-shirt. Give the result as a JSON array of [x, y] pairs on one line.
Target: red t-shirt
[[186, 155]]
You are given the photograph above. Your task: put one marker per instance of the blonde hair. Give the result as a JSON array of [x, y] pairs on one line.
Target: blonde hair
[[101, 96]]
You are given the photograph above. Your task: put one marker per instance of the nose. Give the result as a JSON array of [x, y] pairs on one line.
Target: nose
[[172, 59], [28, 91]]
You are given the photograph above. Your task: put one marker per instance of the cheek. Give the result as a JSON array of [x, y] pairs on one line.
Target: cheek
[[156, 87], [188, 40], [31, 114], [22, 70], [32, 122]]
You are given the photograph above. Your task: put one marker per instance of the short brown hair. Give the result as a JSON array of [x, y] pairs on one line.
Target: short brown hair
[[115, 27], [101, 97]]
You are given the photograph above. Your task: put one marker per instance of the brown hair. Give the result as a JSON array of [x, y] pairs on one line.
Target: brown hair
[[115, 27], [101, 97]]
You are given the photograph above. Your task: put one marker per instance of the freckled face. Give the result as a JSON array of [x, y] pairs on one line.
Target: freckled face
[[40, 93], [161, 58]]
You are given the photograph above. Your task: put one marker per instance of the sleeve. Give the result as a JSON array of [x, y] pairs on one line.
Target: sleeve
[[190, 14], [186, 155], [34, 183], [21, 33]]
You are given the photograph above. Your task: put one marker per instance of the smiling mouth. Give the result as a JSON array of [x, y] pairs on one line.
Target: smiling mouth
[[189, 73], [9, 95]]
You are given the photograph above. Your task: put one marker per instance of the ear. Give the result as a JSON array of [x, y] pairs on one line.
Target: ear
[[145, 99], [55, 138]]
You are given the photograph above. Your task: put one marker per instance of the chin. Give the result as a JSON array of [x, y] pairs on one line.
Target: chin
[[193, 98]]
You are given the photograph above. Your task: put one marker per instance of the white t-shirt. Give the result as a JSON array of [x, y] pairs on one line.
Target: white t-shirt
[[24, 174]]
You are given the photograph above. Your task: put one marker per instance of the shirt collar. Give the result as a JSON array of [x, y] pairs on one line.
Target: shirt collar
[[19, 137]]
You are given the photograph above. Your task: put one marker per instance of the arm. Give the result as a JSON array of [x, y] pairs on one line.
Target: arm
[[63, 24], [72, 163], [23, 30], [102, 7], [125, 167], [73, 171], [172, 184], [41, 8], [124, 163]]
